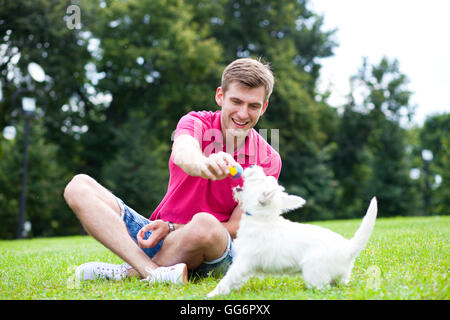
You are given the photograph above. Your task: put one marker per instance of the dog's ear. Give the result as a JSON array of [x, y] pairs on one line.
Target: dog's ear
[[292, 202], [266, 196]]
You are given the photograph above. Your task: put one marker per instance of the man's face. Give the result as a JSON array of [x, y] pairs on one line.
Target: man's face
[[241, 108]]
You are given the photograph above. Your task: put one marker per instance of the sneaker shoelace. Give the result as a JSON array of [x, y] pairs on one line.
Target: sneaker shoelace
[[117, 272], [161, 274]]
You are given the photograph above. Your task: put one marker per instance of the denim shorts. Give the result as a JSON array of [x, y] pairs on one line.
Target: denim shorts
[[215, 268]]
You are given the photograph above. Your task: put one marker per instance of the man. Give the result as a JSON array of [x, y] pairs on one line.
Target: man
[[194, 224]]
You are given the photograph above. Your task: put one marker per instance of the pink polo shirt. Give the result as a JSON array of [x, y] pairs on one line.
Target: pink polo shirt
[[187, 195]]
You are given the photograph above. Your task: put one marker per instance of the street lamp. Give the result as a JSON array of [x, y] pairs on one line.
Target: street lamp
[[427, 157], [29, 109]]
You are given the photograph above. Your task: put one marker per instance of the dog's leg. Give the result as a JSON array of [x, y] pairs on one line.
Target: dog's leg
[[236, 276], [345, 279], [315, 276]]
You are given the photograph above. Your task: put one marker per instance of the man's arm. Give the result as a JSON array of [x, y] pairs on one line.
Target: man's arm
[[232, 225], [187, 154]]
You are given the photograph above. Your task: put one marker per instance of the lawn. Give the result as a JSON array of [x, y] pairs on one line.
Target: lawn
[[406, 258]]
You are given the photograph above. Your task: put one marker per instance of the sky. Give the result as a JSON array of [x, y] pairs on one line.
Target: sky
[[416, 33]]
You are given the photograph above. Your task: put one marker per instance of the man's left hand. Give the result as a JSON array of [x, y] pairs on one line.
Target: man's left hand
[[159, 230]]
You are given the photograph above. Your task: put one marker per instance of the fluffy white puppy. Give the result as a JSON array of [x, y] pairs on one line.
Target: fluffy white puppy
[[268, 243]]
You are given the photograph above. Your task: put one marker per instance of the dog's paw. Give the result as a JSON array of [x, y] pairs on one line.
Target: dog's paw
[[217, 291], [212, 294]]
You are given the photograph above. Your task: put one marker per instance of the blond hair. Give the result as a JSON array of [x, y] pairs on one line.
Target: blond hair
[[250, 73]]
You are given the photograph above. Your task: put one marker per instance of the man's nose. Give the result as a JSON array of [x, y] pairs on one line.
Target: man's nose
[[243, 111]]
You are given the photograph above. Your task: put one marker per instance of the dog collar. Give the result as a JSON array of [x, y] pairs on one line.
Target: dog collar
[[247, 213]]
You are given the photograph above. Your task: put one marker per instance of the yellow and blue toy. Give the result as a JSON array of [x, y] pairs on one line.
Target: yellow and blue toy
[[236, 171]]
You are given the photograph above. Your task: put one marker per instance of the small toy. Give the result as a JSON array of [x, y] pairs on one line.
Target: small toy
[[236, 171]]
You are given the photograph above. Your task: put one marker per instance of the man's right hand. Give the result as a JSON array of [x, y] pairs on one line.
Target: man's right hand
[[216, 166], [188, 155]]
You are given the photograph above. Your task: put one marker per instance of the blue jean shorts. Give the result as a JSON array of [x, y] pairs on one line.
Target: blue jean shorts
[[215, 268]]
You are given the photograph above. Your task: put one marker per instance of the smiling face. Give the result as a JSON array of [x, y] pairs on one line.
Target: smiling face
[[241, 108]]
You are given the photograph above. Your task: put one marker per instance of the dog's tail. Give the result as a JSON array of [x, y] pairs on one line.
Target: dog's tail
[[359, 240]]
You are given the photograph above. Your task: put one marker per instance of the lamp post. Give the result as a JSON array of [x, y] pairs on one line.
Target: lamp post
[[29, 109], [427, 157]]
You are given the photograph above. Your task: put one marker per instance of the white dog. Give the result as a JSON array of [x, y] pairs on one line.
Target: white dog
[[268, 243]]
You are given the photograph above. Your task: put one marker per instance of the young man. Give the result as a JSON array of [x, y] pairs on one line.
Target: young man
[[193, 226]]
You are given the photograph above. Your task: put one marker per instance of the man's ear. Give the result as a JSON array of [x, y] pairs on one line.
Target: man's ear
[[219, 96], [264, 108], [292, 202]]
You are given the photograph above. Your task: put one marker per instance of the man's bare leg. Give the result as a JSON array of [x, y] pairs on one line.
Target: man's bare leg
[[202, 239], [99, 213]]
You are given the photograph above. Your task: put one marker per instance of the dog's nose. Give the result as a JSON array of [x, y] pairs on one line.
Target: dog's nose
[[238, 189]]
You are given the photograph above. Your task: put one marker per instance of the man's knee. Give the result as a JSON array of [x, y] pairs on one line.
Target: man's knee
[[206, 229], [77, 188]]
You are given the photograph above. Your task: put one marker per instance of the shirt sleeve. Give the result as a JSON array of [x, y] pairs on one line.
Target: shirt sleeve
[[191, 124]]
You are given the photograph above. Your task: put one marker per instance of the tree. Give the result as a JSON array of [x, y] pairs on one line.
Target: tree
[[35, 31], [371, 158], [151, 59], [351, 161], [443, 190], [138, 173], [434, 136], [46, 177]]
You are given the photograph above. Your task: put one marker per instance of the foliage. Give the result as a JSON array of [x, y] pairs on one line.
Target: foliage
[[151, 58], [371, 144], [45, 210], [115, 89], [435, 137], [138, 171], [35, 31]]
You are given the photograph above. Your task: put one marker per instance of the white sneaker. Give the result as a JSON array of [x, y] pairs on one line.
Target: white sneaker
[[101, 270], [176, 274]]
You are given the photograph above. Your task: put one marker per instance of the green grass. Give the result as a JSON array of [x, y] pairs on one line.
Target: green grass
[[406, 258]]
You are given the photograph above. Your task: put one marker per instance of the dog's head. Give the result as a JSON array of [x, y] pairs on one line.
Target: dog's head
[[261, 195]]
